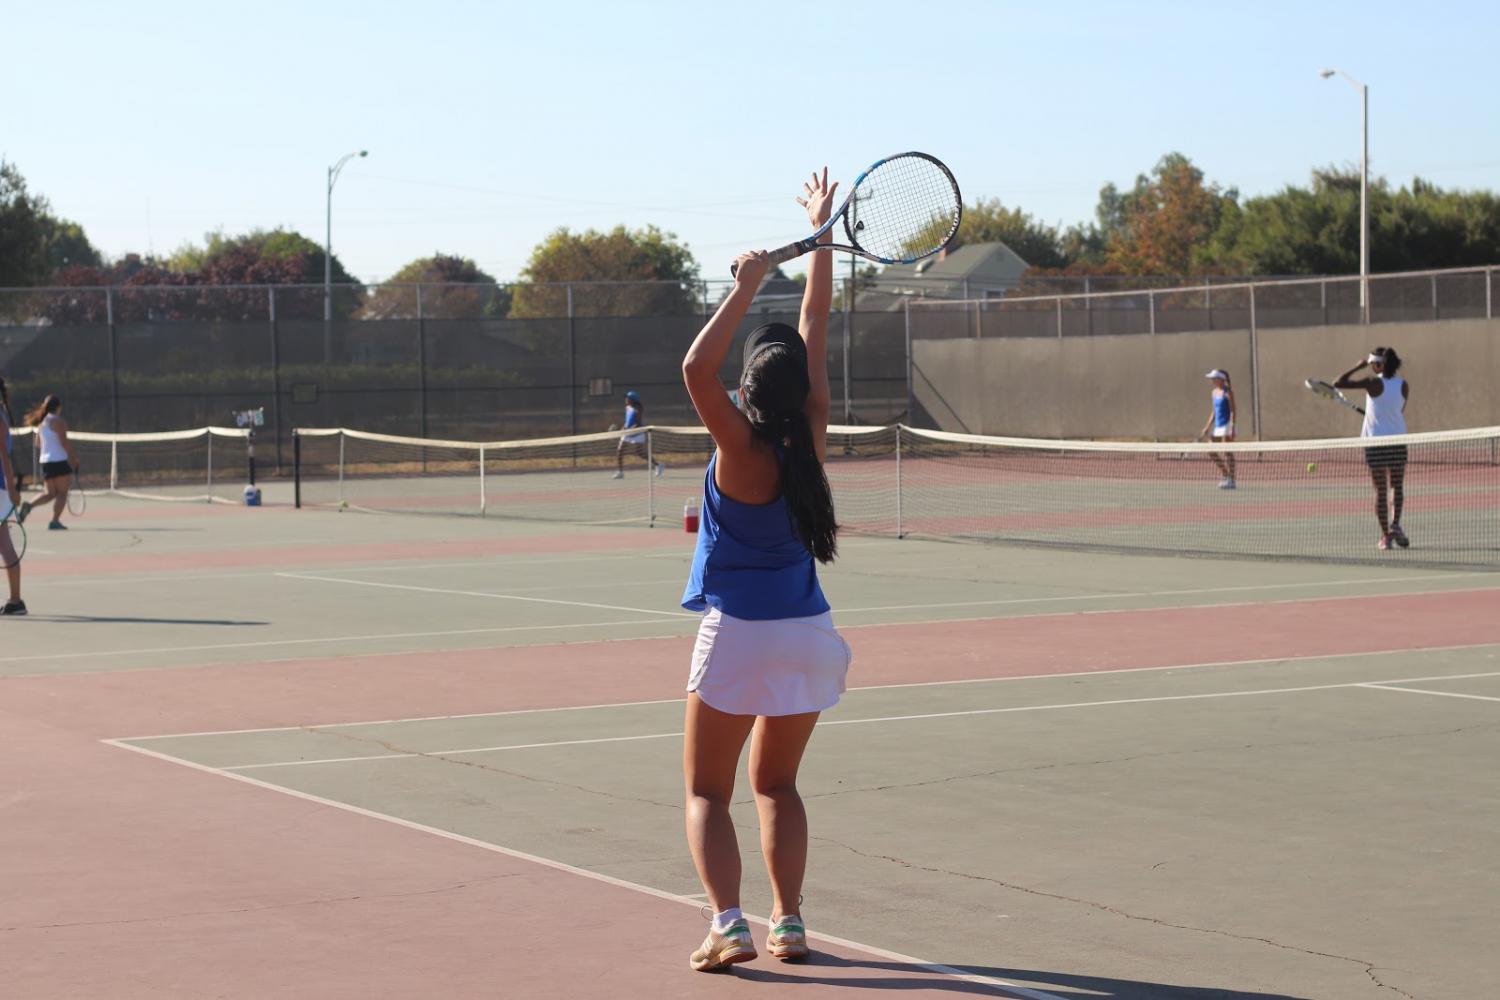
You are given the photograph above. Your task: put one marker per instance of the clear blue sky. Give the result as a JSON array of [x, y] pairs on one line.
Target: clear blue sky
[[490, 124]]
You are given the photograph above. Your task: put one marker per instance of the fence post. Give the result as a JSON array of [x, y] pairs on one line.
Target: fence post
[[114, 361], [1088, 306], [911, 416], [1434, 296], [1151, 308], [1489, 283], [1254, 367], [705, 298], [572, 372], [1323, 300], [1208, 300], [898, 481], [275, 376], [848, 345], [421, 373]]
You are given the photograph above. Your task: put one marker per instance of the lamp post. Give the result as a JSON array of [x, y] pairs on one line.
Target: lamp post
[[333, 176], [1364, 190]]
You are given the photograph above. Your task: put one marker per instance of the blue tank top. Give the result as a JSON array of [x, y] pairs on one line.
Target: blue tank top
[[748, 563], [1221, 408]]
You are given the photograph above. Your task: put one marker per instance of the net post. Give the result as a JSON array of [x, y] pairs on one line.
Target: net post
[[114, 466], [1489, 284], [899, 533], [650, 478], [1433, 279], [296, 469], [484, 502], [341, 468], [208, 487]]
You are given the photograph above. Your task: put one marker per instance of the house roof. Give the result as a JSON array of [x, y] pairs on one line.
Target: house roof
[[984, 266]]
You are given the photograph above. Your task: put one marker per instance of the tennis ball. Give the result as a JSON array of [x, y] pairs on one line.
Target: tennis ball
[[1312, 466], [344, 504]]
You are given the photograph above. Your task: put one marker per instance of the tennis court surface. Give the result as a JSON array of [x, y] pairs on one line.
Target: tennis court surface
[[278, 752]]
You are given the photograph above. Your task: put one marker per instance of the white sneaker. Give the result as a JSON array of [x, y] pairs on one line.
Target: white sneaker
[[618, 475], [660, 470]]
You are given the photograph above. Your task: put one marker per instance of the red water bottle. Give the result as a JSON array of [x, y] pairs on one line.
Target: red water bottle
[[690, 516]]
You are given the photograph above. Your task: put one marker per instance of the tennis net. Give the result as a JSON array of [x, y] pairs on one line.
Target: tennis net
[[204, 464], [1291, 500]]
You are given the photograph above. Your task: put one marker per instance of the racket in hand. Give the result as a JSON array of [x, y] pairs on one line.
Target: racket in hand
[[12, 535], [903, 208], [78, 501], [1320, 388]]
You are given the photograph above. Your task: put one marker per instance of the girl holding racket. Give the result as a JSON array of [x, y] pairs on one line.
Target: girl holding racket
[[634, 443], [14, 606], [767, 659], [1221, 424], [59, 463], [1385, 414]]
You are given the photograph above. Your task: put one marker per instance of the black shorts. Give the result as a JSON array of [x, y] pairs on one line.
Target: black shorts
[[51, 470], [1386, 456]]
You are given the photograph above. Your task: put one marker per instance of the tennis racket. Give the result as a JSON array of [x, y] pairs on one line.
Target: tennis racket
[[1323, 389], [78, 501], [903, 208], [14, 532]]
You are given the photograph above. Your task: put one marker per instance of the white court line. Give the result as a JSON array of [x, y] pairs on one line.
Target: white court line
[[498, 597], [1441, 694], [864, 687], [1020, 992], [1008, 710]]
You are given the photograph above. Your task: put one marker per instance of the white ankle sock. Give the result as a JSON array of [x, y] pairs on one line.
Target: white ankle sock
[[727, 917]]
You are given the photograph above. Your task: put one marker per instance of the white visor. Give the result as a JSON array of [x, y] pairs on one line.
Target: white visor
[[1372, 359]]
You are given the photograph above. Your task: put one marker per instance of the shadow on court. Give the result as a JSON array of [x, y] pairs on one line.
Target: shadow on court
[[907, 978], [126, 620]]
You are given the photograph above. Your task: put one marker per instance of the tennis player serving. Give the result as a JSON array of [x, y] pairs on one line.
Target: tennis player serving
[[767, 660]]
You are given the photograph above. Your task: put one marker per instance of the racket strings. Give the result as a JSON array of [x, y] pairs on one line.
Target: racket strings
[[906, 207]]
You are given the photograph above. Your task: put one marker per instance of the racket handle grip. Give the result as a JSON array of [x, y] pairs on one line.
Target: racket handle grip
[[783, 254]]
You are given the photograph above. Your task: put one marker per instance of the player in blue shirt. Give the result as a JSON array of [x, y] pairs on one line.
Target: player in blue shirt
[[1221, 424], [633, 443]]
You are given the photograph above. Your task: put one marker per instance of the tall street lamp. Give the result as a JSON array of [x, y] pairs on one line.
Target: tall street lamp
[[333, 176], [1364, 190]]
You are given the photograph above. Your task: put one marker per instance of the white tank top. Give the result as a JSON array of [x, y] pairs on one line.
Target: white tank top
[[1383, 413], [52, 446]]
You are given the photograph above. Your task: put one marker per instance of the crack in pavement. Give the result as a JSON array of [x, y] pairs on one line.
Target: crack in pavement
[[1058, 765], [272, 906], [1369, 967]]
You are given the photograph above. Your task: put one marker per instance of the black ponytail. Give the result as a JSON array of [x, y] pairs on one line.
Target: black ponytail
[[1390, 361], [5, 402], [774, 392]]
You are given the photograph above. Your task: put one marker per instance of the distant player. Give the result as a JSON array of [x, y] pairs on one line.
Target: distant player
[[1221, 424], [633, 443], [14, 606], [59, 463], [1385, 414]]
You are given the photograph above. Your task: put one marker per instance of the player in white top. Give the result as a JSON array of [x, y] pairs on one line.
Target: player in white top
[[1385, 414], [59, 463]]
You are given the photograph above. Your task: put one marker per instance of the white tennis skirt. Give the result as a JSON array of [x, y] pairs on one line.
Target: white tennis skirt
[[785, 666]]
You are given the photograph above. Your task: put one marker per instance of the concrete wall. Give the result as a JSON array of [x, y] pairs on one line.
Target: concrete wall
[[1152, 387]]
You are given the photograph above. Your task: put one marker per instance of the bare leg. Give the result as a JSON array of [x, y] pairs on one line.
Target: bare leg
[[60, 487], [1398, 492], [1219, 461], [710, 757], [775, 755], [1377, 475], [12, 563]]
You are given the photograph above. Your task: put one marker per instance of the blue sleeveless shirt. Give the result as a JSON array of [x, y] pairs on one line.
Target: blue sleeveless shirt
[[748, 563]]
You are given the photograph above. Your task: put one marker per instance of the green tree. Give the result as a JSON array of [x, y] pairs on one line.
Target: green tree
[[452, 288], [987, 220], [659, 274], [67, 245], [23, 231]]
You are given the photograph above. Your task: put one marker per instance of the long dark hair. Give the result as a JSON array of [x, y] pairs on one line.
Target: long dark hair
[[774, 392], [39, 412], [5, 402], [1390, 361]]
